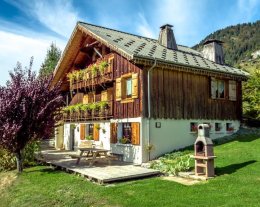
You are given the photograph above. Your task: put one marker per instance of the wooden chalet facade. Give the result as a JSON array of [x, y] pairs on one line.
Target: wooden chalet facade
[[141, 97]]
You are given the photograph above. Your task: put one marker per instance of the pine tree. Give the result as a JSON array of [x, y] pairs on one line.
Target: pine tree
[[51, 60]]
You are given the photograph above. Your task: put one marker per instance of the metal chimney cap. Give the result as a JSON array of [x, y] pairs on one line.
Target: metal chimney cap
[[212, 40], [165, 25]]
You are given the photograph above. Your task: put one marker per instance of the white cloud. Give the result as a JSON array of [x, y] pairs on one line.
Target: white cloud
[[57, 15], [15, 48], [143, 28]]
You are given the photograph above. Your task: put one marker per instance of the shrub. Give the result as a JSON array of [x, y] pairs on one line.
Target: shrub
[[8, 160], [172, 164]]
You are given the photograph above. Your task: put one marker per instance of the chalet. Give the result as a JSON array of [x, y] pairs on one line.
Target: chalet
[[143, 97]]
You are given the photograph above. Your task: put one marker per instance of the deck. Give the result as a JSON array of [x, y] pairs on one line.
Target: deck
[[101, 171]]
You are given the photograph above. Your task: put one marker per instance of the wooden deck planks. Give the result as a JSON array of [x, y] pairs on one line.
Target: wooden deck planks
[[100, 172]]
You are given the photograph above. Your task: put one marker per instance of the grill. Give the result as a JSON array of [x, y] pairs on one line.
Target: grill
[[204, 154]]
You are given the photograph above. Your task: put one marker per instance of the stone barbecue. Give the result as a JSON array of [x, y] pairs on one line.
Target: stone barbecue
[[204, 154]]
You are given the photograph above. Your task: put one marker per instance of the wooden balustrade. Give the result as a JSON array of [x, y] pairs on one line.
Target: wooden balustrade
[[90, 114]]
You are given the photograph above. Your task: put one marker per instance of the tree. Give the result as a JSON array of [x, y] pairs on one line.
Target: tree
[[29, 109], [51, 60], [251, 96]]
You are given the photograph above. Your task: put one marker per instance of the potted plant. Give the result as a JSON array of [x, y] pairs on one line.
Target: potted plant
[[89, 137], [104, 130], [102, 66], [124, 140], [94, 70]]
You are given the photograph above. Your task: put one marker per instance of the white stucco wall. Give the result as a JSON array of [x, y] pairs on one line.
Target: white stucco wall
[[175, 134]]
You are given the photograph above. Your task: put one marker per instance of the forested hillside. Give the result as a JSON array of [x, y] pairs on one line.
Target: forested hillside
[[240, 41]]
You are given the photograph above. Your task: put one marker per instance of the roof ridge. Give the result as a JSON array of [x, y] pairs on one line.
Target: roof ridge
[[116, 30], [129, 33]]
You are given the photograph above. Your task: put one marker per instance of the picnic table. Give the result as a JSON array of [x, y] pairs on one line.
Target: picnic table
[[92, 154]]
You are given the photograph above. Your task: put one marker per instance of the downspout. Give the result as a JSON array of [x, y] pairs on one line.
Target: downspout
[[149, 102]]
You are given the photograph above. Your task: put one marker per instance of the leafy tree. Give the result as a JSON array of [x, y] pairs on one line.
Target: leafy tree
[[251, 96], [51, 60], [29, 109]]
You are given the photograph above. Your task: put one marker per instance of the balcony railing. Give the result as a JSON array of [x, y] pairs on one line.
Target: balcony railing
[[98, 73], [105, 112], [94, 81]]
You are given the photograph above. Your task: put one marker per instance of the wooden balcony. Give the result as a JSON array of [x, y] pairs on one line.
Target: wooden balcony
[[93, 82], [92, 79], [90, 114]]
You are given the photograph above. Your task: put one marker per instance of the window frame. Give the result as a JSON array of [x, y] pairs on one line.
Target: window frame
[[124, 97], [214, 87]]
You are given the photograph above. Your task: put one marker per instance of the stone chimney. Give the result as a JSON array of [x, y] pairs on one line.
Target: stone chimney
[[213, 51], [166, 37]]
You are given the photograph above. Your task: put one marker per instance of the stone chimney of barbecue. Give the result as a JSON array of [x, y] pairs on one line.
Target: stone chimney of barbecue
[[166, 37], [213, 51]]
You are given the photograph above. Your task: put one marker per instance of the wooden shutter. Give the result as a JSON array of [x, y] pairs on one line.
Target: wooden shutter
[[118, 89], [232, 90], [135, 133], [82, 131], [213, 88], [110, 94], [85, 99], [96, 132], [111, 64], [135, 85], [113, 133], [91, 98], [104, 96]]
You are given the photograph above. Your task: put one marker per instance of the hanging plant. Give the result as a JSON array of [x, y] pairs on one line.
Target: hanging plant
[[104, 130], [85, 75], [103, 66], [94, 70], [103, 105], [70, 77]]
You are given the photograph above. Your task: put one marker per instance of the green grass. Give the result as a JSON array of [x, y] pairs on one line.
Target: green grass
[[237, 184]]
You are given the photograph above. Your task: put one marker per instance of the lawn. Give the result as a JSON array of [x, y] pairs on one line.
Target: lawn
[[237, 184]]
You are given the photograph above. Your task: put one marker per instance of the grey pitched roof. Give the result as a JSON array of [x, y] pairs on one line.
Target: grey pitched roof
[[147, 48]]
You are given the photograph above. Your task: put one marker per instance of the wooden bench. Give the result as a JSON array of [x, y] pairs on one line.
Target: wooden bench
[[118, 156]]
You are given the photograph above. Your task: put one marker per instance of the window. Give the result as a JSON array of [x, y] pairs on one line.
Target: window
[[127, 130], [193, 127], [125, 133], [217, 88], [229, 127], [218, 127], [210, 126], [127, 87], [128, 91], [90, 129]]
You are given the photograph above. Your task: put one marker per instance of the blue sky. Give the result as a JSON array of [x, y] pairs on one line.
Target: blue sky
[[27, 27]]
